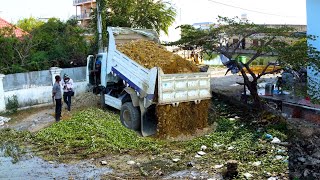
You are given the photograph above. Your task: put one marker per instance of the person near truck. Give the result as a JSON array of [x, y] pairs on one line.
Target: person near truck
[[68, 92], [57, 96]]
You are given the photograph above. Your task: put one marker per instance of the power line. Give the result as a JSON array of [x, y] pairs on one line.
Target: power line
[[237, 7]]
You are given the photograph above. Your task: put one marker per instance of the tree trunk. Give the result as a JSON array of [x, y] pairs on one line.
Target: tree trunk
[[252, 87]]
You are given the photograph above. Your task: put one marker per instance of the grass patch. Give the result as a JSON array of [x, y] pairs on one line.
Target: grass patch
[[92, 131]]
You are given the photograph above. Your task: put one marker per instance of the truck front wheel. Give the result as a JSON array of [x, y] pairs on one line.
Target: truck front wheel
[[130, 116]]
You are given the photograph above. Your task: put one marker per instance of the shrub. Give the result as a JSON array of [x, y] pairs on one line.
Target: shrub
[[13, 104]]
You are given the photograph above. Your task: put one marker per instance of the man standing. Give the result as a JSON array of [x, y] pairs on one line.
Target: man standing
[[57, 95], [67, 85]]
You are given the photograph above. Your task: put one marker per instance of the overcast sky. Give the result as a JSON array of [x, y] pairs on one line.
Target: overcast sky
[[189, 11]]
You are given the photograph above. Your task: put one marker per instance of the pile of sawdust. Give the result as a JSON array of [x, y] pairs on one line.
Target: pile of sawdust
[[87, 99], [188, 117], [185, 119], [150, 54]]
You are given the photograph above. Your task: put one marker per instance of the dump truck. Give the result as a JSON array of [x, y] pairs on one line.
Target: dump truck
[[135, 90]]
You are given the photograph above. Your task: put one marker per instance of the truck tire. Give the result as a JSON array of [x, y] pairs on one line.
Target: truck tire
[[130, 116]]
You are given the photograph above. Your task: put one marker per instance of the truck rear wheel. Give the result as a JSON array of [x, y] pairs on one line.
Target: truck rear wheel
[[130, 116]]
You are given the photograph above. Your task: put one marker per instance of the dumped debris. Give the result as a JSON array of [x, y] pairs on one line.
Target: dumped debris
[[172, 121], [184, 119], [151, 55], [4, 120]]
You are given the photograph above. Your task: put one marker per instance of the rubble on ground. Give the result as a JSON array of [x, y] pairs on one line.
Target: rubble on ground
[[4, 120], [304, 152]]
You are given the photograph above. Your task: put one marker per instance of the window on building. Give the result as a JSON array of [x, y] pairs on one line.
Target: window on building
[[255, 42]]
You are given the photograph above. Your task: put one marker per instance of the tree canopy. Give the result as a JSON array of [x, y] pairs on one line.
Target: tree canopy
[[28, 24], [228, 38], [51, 43], [157, 15]]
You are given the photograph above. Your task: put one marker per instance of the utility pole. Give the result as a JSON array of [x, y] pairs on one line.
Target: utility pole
[[99, 27]]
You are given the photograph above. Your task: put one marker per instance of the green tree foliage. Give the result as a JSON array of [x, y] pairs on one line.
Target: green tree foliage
[[290, 48], [149, 14], [28, 24], [53, 43]]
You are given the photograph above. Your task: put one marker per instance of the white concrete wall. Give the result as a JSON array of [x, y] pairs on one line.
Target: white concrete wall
[[37, 94]]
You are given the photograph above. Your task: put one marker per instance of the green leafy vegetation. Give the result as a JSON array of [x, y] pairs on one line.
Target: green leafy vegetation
[[12, 105], [92, 131], [44, 44]]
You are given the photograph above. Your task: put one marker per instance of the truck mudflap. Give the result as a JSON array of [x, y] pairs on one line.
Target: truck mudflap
[[176, 88], [148, 119]]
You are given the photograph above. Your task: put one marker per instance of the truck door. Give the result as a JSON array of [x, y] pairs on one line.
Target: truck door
[[90, 70]]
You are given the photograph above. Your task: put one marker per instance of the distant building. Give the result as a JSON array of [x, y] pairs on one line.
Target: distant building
[[257, 39], [83, 11], [244, 17], [17, 31], [202, 25], [313, 14]]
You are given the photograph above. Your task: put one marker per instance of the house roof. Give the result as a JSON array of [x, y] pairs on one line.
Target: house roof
[[17, 31]]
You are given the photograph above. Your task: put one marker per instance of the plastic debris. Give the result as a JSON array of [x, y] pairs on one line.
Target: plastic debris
[[218, 166], [258, 163], [104, 162], [272, 178], [230, 148], [201, 153], [131, 162], [269, 136], [247, 175], [281, 151], [232, 119], [217, 145], [175, 159], [278, 157], [301, 159], [275, 140], [203, 147], [197, 156]]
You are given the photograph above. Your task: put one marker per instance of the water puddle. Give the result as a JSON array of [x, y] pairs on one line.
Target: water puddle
[[29, 167], [192, 174]]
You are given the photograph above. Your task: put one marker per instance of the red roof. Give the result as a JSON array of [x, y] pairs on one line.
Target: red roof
[[17, 31]]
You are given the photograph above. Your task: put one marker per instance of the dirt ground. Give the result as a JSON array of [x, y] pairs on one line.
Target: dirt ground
[[227, 84]]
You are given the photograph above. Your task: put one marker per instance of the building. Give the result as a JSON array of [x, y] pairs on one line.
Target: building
[[313, 14], [202, 25], [17, 31], [84, 8]]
